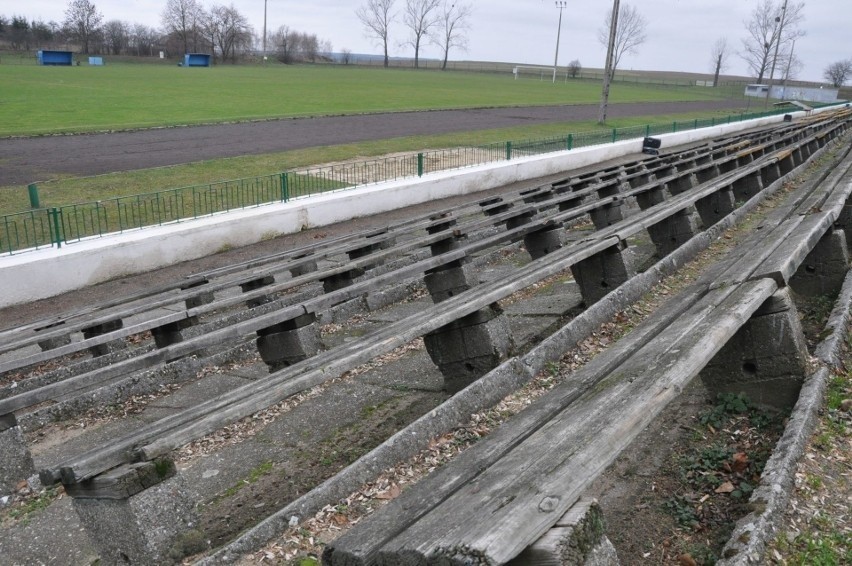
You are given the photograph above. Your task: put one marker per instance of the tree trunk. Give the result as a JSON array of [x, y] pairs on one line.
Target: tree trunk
[[386, 53], [417, 54], [718, 68]]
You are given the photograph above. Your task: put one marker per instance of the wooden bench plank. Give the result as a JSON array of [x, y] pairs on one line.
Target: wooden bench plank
[[527, 490]]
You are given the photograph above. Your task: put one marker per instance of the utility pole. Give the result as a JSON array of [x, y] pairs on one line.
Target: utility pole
[[780, 20], [559, 4], [610, 48]]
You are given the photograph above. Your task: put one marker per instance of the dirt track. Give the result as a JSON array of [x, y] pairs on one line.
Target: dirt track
[[27, 160]]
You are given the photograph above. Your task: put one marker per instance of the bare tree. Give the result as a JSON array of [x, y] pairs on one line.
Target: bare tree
[[376, 16], [629, 33], [771, 28], [41, 32], [719, 59], [142, 39], [116, 36], [420, 17], [838, 72], [346, 55], [454, 23], [229, 30], [574, 68], [182, 18], [82, 22]]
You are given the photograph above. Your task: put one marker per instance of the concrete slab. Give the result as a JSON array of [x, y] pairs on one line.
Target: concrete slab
[[52, 536], [398, 312], [414, 371], [299, 429], [527, 329], [562, 301]]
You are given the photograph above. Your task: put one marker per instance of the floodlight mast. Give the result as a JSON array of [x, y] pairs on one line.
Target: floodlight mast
[[780, 21], [559, 4], [613, 28], [264, 27]]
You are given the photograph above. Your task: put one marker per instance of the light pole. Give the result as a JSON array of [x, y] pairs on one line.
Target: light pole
[[780, 29], [264, 28], [559, 4]]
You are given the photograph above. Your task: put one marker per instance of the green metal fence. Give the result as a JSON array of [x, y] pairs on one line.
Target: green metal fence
[[46, 227]]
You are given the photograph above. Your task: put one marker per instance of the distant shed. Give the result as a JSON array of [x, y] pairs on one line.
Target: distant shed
[[196, 60], [46, 57]]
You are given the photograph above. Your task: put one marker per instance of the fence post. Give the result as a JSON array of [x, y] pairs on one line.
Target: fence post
[[57, 235], [614, 134], [696, 124], [33, 190], [508, 150], [285, 190], [674, 126], [570, 141], [419, 164], [647, 130]]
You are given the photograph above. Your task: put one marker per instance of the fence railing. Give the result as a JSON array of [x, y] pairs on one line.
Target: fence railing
[[56, 226]]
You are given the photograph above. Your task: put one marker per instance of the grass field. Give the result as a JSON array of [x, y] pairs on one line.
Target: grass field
[[41, 100]]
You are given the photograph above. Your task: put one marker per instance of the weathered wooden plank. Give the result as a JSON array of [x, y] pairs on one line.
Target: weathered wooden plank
[[360, 546], [248, 399], [527, 490], [791, 252], [215, 337], [569, 540], [94, 341]]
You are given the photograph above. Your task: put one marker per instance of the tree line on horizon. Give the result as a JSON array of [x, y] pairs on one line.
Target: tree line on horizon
[[768, 48], [187, 27]]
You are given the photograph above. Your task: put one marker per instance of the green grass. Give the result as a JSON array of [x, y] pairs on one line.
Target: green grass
[[39, 100]]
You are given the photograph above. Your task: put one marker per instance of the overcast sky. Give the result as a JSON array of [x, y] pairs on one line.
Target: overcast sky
[[681, 33]]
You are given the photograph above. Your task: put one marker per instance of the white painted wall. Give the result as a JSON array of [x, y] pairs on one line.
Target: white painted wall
[[51, 271]]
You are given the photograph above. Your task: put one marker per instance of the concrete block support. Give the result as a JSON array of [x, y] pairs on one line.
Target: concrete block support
[[823, 271], [109, 347], [671, 232], [171, 333], [713, 208], [450, 280], [766, 359], [16, 464], [202, 298], [606, 215], [449, 243], [257, 284], [289, 342], [770, 174], [305, 265], [748, 186], [682, 184], [844, 222], [341, 280], [136, 514], [543, 242], [649, 198], [51, 343], [707, 173], [470, 347], [601, 273], [578, 539]]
